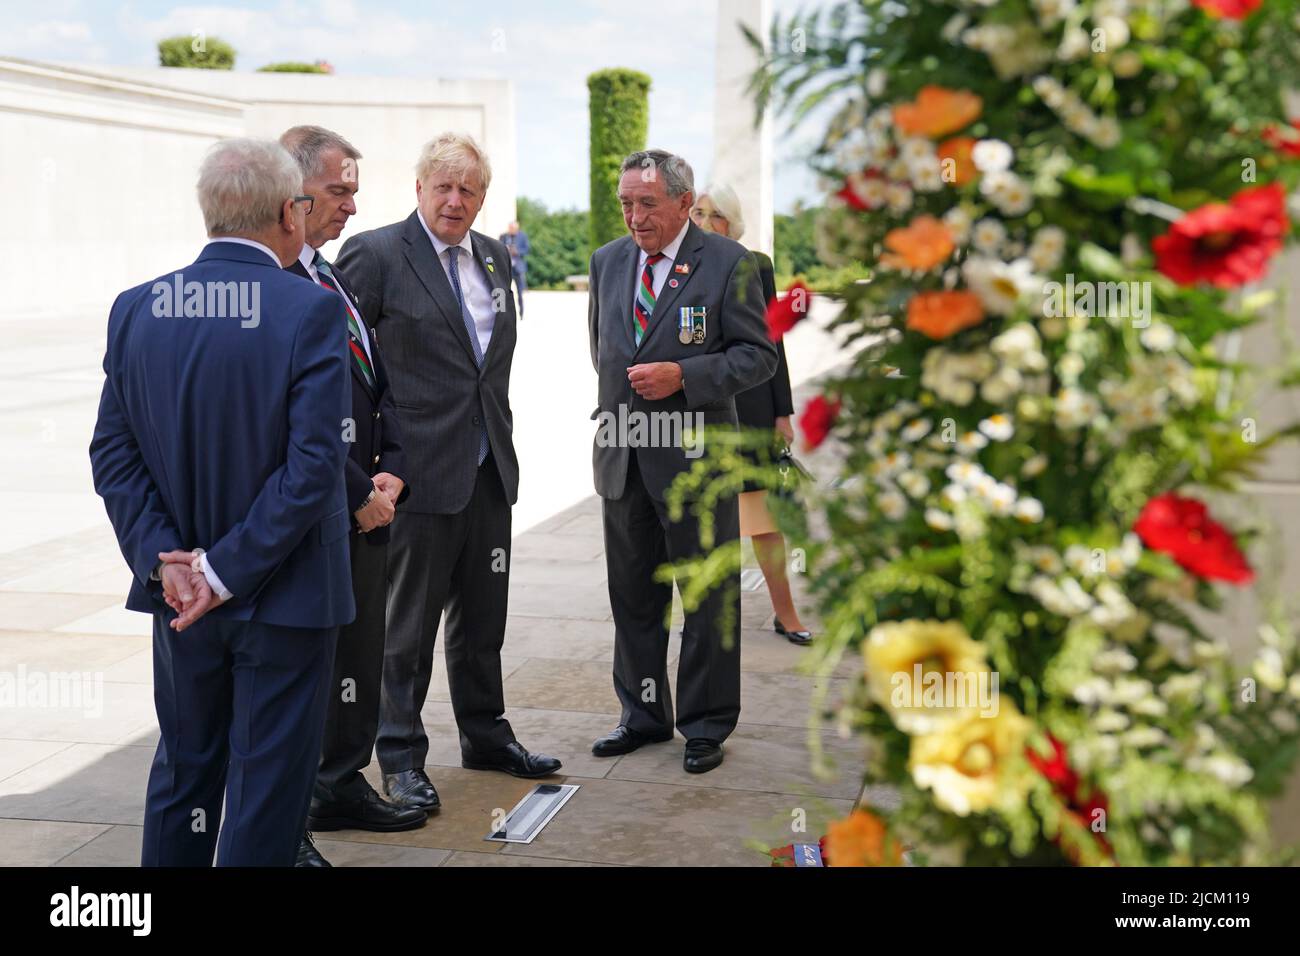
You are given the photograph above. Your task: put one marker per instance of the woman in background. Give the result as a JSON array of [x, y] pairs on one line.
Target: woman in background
[[767, 407]]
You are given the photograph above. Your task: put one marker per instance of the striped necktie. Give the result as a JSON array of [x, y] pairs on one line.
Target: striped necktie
[[453, 272], [358, 350], [645, 298]]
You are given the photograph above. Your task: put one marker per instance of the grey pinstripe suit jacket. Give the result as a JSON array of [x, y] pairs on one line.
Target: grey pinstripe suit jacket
[[440, 390]]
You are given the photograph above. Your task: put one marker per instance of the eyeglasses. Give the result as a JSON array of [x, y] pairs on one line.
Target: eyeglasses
[[310, 200]]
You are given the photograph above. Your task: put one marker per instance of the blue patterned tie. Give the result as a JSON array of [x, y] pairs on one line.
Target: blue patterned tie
[[453, 270]]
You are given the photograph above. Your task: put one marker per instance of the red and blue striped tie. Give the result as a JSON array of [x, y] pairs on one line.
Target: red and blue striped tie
[[645, 298]]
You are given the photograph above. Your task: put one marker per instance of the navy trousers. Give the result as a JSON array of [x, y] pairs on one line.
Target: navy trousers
[[241, 708]]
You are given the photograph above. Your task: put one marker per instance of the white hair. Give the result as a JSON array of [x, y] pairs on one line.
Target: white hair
[[679, 178], [456, 152], [727, 203], [243, 184]]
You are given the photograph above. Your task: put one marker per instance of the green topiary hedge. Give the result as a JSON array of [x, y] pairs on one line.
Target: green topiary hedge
[[620, 116], [292, 67], [196, 52]]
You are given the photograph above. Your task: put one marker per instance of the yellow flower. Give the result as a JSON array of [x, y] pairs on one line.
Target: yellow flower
[[926, 673], [974, 763]]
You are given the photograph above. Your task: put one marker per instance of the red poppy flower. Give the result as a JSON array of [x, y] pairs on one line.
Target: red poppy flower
[[1227, 244], [817, 418], [1182, 528], [1056, 769], [785, 314], [1065, 784], [1286, 140], [1229, 9]]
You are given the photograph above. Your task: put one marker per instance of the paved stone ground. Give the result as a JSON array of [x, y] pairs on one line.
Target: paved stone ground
[[72, 784]]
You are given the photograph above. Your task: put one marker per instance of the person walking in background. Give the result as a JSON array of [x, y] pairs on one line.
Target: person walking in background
[[224, 430], [516, 241], [343, 799], [767, 407]]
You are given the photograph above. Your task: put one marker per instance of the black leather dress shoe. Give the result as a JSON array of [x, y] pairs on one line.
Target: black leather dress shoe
[[309, 856], [624, 740], [702, 755], [411, 788], [368, 812], [512, 759]]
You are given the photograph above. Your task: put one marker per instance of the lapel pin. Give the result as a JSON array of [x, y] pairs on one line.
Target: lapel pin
[[682, 268], [672, 283], [488, 260]]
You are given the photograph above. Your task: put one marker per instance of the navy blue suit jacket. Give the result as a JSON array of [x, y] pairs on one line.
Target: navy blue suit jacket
[[228, 435]]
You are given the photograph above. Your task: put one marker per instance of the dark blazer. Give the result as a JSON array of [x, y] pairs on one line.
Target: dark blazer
[[440, 392], [377, 433], [736, 354], [761, 406], [227, 435]]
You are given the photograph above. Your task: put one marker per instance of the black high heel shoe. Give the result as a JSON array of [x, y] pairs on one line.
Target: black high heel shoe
[[794, 637]]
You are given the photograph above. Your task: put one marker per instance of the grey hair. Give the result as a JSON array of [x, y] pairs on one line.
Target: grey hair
[[678, 176], [457, 152], [243, 184], [727, 203], [308, 144]]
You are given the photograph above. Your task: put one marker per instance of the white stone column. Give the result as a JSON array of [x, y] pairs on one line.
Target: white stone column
[[742, 154]]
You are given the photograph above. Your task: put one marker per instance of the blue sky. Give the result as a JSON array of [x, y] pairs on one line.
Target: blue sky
[[547, 47]]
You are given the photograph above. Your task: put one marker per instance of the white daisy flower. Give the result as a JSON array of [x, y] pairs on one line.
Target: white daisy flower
[[988, 235], [916, 429], [958, 221], [1029, 510], [998, 427], [970, 443], [1034, 467], [953, 495], [1045, 560], [1159, 337], [892, 504], [1002, 499], [998, 388], [964, 473], [899, 197], [992, 156], [938, 520], [1001, 286], [916, 149], [914, 483]]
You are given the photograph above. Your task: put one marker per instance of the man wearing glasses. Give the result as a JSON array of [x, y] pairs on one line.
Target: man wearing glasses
[[223, 432], [373, 473]]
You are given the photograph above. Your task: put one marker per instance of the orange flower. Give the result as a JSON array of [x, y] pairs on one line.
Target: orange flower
[[941, 314], [922, 245], [958, 149], [861, 840], [938, 111]]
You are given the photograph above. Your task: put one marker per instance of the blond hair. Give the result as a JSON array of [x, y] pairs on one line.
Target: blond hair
[[456, 152]]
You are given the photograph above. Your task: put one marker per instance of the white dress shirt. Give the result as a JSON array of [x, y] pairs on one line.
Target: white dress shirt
[[664, 266], [474, 284], [307, 258]]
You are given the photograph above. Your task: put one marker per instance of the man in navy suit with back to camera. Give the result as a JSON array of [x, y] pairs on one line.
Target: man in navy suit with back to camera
[[219, 453]]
